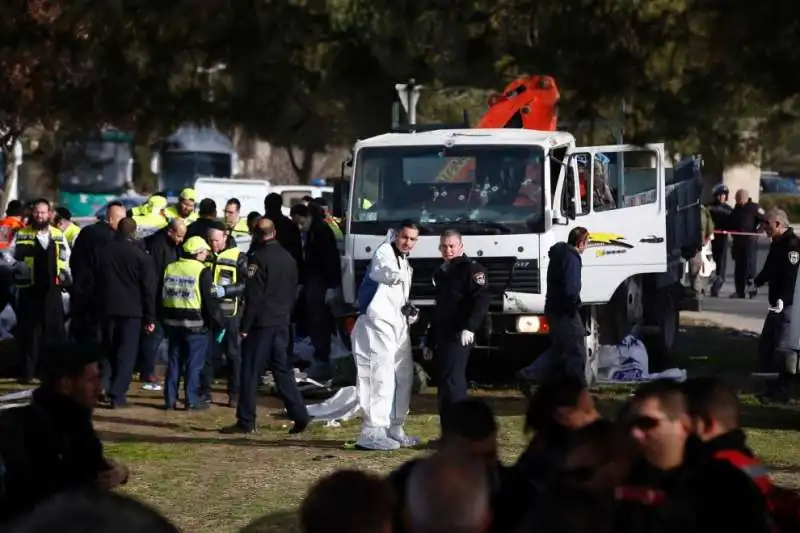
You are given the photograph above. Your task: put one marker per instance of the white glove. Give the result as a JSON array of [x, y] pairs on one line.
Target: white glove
[[427, 353], [218, 291], [330, 296], [467, 338], [778, 307]]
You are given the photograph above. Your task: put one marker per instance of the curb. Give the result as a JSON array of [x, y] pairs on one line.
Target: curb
[[752, 325]]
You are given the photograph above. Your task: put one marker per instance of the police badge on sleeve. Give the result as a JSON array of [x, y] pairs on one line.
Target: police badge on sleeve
[[794, 257], [479, 278], [251, 270]]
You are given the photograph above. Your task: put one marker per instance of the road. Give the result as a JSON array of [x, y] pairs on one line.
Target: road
[[747, 308]]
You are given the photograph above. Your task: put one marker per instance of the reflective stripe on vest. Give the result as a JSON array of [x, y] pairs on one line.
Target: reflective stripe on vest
[[751, 466], [225, 272], [26, 246], [181, 299]]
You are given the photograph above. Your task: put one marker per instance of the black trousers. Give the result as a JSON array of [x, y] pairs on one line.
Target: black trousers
[[320, 323], [452, 359], [568, 344], [775, 343], [719, 251], [121, 342], [745, 252], [223, 356], [267, 347]]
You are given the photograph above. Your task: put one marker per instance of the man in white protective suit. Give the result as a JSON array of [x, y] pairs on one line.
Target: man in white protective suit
[[381, 343]]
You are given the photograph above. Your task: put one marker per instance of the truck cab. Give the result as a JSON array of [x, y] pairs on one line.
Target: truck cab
[[512, 194]]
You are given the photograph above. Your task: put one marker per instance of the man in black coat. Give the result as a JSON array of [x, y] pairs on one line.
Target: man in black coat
[[164, 247], [126, 285], [85, 322], [321, 278], [50, 446], [286, 232], [269, 297]]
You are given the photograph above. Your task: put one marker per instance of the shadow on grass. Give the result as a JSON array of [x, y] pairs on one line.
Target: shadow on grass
[[508, 403], [280, 522], [135, 422], [119, 437]]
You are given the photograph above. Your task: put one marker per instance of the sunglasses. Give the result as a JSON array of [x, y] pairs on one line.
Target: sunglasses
[[644, 423]]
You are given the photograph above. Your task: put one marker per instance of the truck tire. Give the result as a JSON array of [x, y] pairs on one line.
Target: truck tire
[[592, 347], [624, 311], [664, 315]]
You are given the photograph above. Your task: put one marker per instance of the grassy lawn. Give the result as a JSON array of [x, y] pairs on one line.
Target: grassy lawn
[[206, 482]]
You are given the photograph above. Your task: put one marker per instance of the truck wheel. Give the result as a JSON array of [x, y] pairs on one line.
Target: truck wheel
[[592, 347], [667, 321]]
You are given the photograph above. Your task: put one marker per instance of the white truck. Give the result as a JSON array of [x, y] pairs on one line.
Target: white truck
[[513, 193]]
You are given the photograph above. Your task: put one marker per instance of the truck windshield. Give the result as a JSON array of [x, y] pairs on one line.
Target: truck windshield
[[477, 190], [181, 169], [94, 167]]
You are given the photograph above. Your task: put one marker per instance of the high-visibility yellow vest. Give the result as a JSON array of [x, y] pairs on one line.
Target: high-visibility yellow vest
[[337, 231], [139, 210], [26, 246], [71, 233], [148, 224], [240, 229], [224, 272], [181, 299], [171, 213]]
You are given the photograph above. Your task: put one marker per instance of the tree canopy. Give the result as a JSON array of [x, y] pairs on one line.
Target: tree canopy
[[310, 74]]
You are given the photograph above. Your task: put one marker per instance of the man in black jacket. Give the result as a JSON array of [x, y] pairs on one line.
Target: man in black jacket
[[50, 446], [206, 220], [126, 284], [321, 277], [269, 297], [164, 247], [736, 503], [85, 322], [721, 214], [286, 232], [747, 218], [562, 306]]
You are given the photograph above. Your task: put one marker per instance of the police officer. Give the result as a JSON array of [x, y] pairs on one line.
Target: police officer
[[270, 292], [562, 307], [721, 214], [747, 217], [189, 313], [229, 270], [780, 272], [462, 301]]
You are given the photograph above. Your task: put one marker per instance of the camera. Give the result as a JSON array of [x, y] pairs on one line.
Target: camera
[[411, 312]]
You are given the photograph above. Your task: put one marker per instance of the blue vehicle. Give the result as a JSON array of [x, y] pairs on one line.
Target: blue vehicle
[[191, 153], [94, 169]]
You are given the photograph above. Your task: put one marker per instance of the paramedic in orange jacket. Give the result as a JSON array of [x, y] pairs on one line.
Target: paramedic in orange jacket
[[13, 221]]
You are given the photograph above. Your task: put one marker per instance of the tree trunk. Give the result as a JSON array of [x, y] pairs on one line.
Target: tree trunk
[[304, 166]]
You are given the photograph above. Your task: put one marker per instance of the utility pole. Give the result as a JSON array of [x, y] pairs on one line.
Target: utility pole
[[409, 98]]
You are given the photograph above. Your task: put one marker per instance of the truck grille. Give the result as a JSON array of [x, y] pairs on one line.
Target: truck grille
[[503, 273]]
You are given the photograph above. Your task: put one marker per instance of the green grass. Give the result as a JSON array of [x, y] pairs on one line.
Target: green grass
[[206, 482]]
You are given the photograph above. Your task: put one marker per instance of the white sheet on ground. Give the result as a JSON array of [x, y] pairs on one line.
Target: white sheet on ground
[[340, 407], [14, 399], [627, 362]]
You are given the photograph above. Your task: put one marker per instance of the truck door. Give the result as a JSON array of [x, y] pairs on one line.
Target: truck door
[[618, 195]]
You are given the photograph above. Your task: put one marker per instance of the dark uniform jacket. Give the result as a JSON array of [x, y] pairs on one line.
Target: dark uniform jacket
[[45, 448], [726, 499], [462, 299], [271, 287], [287, 234], [563, 281], [126, 281], [200, 227], [746, 218], [321, 256], [721, 214], [83, 257], [163, 251], [780, 268]]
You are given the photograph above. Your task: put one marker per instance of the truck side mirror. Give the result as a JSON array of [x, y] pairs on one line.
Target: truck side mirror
[[341, 192]]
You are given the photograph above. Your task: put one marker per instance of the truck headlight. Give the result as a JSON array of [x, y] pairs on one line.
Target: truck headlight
[[532, 324]]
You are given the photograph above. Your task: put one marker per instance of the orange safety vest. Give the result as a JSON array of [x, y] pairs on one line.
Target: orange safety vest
[[8, 228]]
